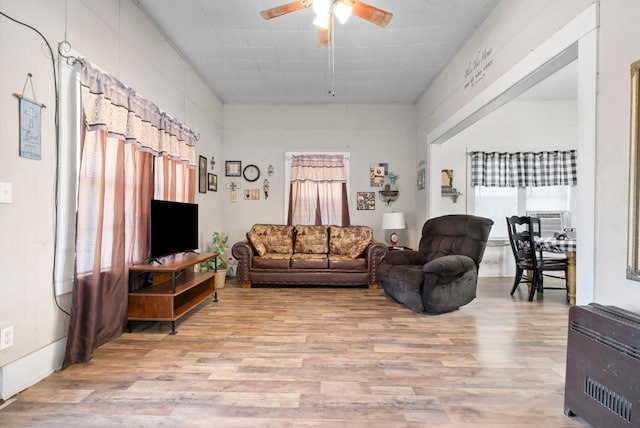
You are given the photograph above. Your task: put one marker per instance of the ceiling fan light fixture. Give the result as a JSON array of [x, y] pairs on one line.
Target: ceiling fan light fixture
[[321, 7], [342, 12], [322, 20]]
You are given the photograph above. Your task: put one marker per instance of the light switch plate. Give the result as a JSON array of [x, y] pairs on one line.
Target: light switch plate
[[6, 193]]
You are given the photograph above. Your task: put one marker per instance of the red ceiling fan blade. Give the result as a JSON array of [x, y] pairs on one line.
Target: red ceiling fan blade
[[274, 12], [372, 14]]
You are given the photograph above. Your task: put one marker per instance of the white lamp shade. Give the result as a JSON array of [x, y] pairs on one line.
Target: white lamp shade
[[393, 221]]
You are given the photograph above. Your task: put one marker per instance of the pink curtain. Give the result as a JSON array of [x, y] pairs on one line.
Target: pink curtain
[[318, 190], [131, 153]]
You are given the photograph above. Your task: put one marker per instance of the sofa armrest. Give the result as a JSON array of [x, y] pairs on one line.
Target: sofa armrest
[[405, 257], [451, 265], [243, 252], [375, 253]]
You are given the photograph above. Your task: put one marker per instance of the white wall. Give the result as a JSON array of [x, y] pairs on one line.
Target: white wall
[[618, 31], [261, 134], [117, 37]]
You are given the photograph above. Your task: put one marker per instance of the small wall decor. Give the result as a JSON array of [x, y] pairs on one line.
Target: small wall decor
[[252, 194], [421, 179], [633, 243], [202, 174], [213, 182], [30, 123], [232, 168], [265, 188], [233, 186], [366, 200], [378, 174], [447, 178]]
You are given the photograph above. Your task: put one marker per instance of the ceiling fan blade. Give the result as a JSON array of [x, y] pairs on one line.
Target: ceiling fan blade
[[274, 12], [371, 13]]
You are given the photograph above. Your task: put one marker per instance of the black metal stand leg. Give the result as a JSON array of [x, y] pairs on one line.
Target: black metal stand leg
[[173, 327], [215, 296]]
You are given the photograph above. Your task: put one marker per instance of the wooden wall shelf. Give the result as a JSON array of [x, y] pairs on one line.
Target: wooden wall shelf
[[452, 195]]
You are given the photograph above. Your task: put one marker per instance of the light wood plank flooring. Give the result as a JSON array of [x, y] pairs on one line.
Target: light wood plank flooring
[[321, 357]]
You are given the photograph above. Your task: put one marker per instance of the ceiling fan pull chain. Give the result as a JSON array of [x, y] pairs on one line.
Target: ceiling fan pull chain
[[332, 59]]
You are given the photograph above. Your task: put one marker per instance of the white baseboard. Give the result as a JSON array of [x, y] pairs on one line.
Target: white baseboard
[[31, 369]]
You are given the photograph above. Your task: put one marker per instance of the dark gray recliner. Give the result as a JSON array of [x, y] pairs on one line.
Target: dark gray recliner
[[442, 275]]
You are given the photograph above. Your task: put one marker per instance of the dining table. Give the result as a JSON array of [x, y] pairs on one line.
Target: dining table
[[567, 246]]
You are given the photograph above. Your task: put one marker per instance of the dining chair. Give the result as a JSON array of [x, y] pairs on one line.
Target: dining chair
[[523, 232]]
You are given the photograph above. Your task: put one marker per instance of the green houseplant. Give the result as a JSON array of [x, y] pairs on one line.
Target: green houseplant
[[219, 244]]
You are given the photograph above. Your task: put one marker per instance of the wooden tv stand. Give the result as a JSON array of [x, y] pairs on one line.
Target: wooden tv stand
[[167, 291]]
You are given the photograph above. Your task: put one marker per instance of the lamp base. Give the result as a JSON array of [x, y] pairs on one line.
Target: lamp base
[[393, 238]]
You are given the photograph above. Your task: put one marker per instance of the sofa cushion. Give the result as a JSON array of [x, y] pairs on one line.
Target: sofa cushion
[[349, 240], [272, 261], [309, 261], [312, 239], [346, 262], [256, 242], [276, 238]]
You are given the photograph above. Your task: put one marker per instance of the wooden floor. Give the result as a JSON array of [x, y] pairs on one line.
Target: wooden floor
[[321, 357]]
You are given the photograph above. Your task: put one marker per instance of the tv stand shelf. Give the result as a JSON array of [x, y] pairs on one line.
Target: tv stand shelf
[[167, 291]]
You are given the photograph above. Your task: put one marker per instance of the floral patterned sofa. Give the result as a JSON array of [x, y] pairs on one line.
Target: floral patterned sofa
[[318, 255]]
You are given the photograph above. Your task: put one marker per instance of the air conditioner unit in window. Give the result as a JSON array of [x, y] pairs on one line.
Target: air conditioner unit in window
[[551, 221]]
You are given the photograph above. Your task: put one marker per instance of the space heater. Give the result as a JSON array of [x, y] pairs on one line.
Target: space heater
[[603, 366]]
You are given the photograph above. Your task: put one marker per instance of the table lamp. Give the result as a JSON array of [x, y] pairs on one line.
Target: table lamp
[[393, 222]]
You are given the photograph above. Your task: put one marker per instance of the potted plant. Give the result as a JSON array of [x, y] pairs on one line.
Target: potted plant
[[218, 245]]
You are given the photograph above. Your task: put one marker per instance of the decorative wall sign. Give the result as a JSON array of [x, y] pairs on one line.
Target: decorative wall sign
[[30, 123], [366, 200], [477, 68], [252, 194]]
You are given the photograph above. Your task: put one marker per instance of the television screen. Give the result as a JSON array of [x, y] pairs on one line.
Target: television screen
[[174, 227]]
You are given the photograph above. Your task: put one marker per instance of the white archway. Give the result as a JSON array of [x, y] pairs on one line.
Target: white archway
[[576, 41]]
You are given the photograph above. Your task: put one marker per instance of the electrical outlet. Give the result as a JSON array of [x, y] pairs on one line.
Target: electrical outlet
[[6, 338]]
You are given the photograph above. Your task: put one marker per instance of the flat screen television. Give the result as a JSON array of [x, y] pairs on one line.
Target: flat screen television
[[173, 228]]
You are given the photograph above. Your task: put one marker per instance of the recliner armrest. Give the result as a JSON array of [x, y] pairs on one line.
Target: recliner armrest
[[451, 265], [405, 257]]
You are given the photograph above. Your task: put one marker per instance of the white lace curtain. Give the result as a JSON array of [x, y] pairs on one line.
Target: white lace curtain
[[318, 190]]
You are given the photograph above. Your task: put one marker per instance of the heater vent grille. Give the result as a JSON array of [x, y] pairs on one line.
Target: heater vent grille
[[626, 349], [609, 399]]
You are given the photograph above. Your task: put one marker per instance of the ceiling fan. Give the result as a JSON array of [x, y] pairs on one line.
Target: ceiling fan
[[326, 9]]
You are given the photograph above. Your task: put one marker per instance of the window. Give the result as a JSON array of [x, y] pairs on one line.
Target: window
[[497, 203]]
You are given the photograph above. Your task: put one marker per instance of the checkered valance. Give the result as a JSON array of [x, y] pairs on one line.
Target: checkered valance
[[524, 169]]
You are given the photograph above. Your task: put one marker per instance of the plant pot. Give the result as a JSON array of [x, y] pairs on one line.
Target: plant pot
[[220, 278]]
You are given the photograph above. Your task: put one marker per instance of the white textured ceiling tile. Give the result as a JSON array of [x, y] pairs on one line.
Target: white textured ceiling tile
[[239, 53], [232, 38], [267, 69]]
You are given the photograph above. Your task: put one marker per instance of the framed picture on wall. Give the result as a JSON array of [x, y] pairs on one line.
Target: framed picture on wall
[[232, 168], [366, 200], [378, 174], [202, 174], [212, 182]]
